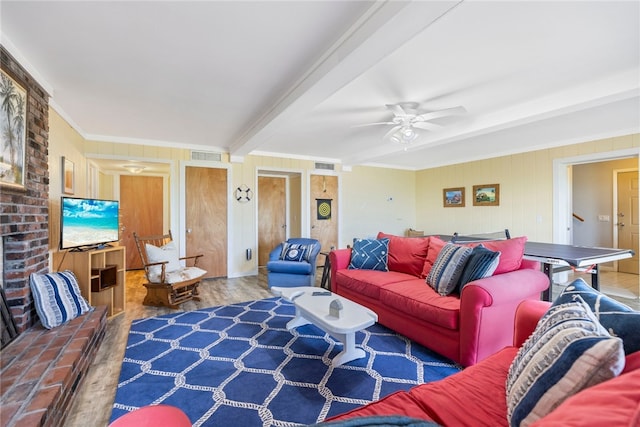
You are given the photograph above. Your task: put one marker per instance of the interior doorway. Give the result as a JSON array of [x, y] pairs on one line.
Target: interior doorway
[[272, 215], [279, 207], [585, 207], [141, 211], [206, 223]]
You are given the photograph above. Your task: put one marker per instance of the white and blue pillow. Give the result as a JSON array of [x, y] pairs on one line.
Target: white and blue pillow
[[481, 263], [295, 252], [568, 351], [57, 298], [618, 319], [370, 254], [445, 274]]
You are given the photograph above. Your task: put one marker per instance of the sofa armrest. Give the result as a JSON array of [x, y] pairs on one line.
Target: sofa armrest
[[528, 313], [487, 311], [339, 259]]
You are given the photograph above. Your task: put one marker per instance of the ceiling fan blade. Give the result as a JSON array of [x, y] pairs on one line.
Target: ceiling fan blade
[[373, 124], [391, 131], [397, 110], [441, 113], [426, 125]]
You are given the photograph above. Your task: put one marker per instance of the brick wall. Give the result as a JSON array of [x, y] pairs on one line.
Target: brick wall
[[24, 212]]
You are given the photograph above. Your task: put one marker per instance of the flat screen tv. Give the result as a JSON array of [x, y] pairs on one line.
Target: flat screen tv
[[88, 223]]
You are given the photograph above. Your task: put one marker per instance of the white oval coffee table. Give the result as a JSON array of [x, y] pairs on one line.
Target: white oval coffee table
[[312, 306]]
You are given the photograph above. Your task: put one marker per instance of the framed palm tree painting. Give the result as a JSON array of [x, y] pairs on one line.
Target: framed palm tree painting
[[13, 119]]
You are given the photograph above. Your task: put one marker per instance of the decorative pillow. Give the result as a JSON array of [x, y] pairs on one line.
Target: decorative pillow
[[370, 254], [294, 252], [406, 254], [57, 298], [446, 271], [568, 351], [511, 252], [168, 252], [618, 319], [435, 246], [482, 263]]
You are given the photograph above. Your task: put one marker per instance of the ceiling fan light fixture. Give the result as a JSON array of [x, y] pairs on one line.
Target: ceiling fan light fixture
[[404, 135], [134, 168]]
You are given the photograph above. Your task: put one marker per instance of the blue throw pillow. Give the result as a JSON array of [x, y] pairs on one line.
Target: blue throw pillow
[[294, 252], [621, 321], [481, 263], [57, 298], [370, 254], [445, 274]]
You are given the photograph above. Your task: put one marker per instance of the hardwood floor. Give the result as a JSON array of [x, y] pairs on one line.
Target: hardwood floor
[[95, 398]]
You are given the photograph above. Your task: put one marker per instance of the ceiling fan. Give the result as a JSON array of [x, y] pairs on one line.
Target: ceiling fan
[[406, 119]]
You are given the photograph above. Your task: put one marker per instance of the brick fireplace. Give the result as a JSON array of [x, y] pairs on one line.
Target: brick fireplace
[[24, 212]]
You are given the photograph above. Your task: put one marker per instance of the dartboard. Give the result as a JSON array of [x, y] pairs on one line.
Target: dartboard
[[324, 209]]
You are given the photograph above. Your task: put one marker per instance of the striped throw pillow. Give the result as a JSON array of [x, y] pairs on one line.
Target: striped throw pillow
[[57, 298], [447, 270], [568, 351], [482, 263]]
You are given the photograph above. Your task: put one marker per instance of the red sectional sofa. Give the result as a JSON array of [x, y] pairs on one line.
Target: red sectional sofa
[[476, 396], [465, 328]]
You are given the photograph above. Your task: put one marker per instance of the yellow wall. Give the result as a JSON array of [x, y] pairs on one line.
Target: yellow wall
[[526, 191], [371, 199], [63, 141]]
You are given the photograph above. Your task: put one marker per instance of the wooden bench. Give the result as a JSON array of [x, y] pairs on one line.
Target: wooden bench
[[41, 369]]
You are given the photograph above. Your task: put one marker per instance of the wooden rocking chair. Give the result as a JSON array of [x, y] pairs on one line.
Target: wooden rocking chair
[[169, 283]]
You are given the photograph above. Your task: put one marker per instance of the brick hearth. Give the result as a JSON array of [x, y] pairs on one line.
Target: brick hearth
[[42, 368]]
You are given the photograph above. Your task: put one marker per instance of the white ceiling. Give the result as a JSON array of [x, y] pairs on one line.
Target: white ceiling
[[296, 77]]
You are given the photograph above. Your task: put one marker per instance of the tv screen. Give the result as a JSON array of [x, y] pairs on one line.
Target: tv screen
[[87, 223]]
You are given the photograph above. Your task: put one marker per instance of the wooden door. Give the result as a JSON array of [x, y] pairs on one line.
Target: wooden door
[[627, 221], [206, 218], [324, 226], [272, 215], [141, 210]]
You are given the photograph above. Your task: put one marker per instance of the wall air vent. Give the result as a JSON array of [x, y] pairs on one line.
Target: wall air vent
[[207, 156], [325, 166]]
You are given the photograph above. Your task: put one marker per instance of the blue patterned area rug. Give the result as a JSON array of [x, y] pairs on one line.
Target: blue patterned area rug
[[239, 365]]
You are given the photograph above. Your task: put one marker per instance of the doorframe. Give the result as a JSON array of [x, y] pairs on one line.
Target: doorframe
[[307, 201], [284, 173], [562, 188], [181, 221], [169, 209]]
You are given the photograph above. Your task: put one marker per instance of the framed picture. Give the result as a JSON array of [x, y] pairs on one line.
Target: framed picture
[[68, 176], [486, 195], [13, 123], [453, 197]]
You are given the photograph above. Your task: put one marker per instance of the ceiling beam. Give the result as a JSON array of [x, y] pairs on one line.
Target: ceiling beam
[[379, 32]]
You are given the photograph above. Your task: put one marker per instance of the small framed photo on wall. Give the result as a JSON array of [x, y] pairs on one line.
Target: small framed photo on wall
[[453, 197], [486, 195], [68, 176]]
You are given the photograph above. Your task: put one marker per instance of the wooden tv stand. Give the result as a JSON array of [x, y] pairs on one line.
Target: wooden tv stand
[[96, 270]]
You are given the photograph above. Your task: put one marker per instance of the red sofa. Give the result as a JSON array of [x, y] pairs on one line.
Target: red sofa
[[465, 328], [476, 396]]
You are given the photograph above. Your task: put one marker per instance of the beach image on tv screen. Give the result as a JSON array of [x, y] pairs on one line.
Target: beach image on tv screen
[[88, 222]]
